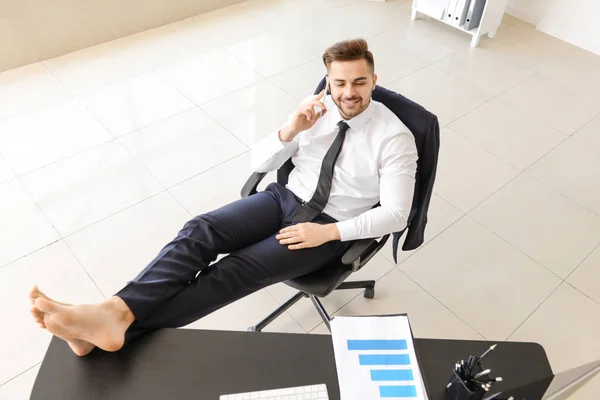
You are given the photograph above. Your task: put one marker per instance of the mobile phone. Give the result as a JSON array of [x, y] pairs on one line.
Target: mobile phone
[[318, 110]]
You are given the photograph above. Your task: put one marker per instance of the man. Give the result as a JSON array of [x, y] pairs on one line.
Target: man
[[349, 152]]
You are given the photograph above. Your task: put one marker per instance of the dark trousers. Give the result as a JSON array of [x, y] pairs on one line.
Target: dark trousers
[[179, 287]]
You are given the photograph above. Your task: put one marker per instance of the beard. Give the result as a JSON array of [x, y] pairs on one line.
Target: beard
[[350, 107]]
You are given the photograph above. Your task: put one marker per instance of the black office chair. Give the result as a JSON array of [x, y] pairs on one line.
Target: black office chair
[[425, 127]]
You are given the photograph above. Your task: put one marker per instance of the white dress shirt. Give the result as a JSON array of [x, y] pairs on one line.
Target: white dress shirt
[[377, 163]]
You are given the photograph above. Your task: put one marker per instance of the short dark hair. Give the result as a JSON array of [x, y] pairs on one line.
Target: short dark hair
[[349, 50]]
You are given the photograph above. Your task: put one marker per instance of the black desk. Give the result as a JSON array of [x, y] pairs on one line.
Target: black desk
[[195, 364]]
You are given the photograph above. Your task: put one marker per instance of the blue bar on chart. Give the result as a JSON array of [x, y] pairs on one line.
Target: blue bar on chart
[[397, 391], [377, 345], [384, 359], [392, 375]]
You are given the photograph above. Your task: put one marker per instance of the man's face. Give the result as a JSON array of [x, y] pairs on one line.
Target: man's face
[[351, 84]]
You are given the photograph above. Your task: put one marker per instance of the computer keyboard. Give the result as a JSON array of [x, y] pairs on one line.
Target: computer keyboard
[[311, 392]]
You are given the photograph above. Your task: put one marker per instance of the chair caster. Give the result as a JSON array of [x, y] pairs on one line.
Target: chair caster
[[252, 329], [369, 293]]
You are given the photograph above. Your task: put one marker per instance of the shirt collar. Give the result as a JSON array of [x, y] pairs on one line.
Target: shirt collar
[[356, 123]]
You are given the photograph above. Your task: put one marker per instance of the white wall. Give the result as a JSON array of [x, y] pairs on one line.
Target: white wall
[[527, 10], [574, 21]]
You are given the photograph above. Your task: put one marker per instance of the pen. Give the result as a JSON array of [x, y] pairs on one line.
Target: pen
[[485, 372], [469, 365], [487, 351]]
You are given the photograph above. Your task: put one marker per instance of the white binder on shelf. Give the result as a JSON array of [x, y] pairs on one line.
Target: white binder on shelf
[[460, 13], [449, 15], [433, 8], [474, 14]]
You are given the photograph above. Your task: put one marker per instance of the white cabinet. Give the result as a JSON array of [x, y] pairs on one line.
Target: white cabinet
[[444, 10]]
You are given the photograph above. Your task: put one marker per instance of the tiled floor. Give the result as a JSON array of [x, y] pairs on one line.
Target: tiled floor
[[106, 152]]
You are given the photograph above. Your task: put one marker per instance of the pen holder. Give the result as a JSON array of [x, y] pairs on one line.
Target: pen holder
[[458, 389]]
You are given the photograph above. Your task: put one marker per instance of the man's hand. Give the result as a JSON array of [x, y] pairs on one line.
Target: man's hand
[[306, 235], [304, 117]]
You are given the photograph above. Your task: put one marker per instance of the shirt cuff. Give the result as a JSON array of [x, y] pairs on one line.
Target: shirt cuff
[[347, 230]]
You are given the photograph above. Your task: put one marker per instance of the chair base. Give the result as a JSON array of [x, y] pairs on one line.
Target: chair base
[[368, 286]]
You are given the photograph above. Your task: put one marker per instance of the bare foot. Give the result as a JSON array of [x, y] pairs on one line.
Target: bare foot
[[102, 324], [79, 347]]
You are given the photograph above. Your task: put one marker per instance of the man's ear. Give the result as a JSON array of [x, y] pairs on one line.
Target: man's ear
[[374, 82], [327, 84]]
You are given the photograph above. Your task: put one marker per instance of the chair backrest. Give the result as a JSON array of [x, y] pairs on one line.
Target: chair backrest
[[418, 120]]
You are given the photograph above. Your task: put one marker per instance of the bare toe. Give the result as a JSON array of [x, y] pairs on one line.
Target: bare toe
[[36, 293]]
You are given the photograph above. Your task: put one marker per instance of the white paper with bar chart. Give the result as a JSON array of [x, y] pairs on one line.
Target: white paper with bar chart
[[375, 358]]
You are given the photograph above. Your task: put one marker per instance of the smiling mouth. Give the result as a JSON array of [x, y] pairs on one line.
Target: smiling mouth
[[350, 103]]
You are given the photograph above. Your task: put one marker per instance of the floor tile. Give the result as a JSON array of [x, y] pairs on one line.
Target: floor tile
[[509, 285], [579, 70], [484, 69], [216, 187], [558, 325], [59, 275], [93, 67], [20, 387], [586, 278], [549, 228], [530, 48], [135, 102], [28, 87], [392, 63], [427, 39], [573, 169], [589, 133], [270, 53], [508, 133], [466, 173], [248, 312], [556, 105], [358, 19], [6, 172], [225, 183], [375, 16], [304, 311], [301, 81], [34, 139], [209, 76], [395, 293], [321, 329], [24, 227], [115, 250], [444, 95], [253, 112], [92, 185], [182, 146], [440, 216]]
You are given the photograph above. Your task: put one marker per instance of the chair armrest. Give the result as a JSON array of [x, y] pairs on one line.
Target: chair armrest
[[252, 183], [362, 251]]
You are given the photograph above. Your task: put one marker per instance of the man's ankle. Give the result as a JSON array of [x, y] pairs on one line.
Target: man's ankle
[[121, 309]]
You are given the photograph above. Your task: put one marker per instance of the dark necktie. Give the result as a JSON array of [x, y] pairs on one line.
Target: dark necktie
[[317, 204]]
